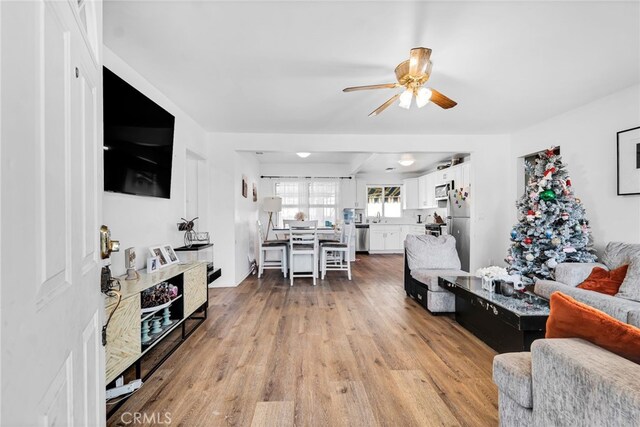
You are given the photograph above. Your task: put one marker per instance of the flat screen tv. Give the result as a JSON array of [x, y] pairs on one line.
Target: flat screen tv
[[138, 141]]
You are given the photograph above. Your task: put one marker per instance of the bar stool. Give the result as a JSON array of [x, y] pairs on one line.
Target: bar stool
[[336, 255], [303, 240], [267, 246]]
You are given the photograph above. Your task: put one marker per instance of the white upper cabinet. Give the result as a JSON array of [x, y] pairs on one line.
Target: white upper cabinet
[[353, 193], [410, 199], [361, 194], [348, 193]]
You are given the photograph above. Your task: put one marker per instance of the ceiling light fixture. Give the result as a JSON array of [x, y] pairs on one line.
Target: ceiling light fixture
[[405, 99], [423, 96], [406, 162], [303, 155]]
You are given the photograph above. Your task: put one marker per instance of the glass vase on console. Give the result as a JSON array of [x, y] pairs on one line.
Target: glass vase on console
[[488, 284]]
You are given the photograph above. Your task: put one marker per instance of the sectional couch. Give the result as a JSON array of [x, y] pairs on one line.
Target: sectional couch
[[570, 382]]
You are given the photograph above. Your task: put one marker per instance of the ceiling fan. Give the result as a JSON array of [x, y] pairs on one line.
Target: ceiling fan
[[411, 74]]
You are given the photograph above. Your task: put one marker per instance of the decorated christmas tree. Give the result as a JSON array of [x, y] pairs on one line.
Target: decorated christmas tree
[[552, 227]]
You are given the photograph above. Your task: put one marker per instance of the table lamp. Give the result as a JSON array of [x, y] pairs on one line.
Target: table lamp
[[271, 204]]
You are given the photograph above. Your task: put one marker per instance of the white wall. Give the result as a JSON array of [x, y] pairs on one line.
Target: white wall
[[144, 221], [246, 213], [490, 224], [587, 140], [305, 169]]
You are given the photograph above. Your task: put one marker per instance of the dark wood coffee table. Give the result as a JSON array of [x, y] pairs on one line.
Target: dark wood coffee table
[[504, 323]]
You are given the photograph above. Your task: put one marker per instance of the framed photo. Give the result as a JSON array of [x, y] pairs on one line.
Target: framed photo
[[255, 192], [628, 148], [245, 186], [157, 251], [172, 258], [153, 264]]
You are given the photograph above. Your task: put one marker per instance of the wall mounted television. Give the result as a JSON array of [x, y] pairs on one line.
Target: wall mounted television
[[138, 141]]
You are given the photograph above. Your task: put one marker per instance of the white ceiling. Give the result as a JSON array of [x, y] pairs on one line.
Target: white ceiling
[[361, 162], [271, 157], [280, 66]]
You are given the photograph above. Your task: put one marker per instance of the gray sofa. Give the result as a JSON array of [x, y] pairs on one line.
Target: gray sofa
[[625, 306], [426, 258], [567, 382], [570, 382]]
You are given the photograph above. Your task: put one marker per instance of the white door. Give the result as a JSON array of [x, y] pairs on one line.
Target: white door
[[51, 178]]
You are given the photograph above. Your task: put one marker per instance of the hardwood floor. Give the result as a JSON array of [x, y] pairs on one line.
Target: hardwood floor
[[343, 353]]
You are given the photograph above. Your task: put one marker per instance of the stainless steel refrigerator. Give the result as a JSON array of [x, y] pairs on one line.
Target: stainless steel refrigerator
[[459, 224]]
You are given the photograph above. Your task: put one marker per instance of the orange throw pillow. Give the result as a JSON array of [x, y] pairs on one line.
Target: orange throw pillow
[[572, 319], [603, 281]]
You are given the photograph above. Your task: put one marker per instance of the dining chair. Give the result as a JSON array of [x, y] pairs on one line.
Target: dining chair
[[336, 255], [303, 241], [270, 246]]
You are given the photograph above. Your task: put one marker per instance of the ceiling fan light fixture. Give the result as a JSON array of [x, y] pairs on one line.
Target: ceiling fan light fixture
[[303, 155], [406, 162], [405, 99], [423, 96]]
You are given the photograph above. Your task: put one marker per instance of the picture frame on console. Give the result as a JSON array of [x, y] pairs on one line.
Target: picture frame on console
[[172, 258], [153, 264], [628, 162], [163, 258]]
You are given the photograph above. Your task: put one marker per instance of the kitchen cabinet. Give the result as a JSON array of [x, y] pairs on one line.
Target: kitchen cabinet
[[410, 199], [353, 193], [430, 198], [423, 187], [465, 175], [410, 229], [361, 194], [348, 193], [385, 238]]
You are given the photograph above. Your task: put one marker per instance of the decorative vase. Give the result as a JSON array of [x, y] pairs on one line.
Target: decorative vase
[[156, 326], [488, 285], [145, 332], [166, 316]]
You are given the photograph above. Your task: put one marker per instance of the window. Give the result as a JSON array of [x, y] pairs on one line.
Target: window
[[384, 200], [318, 200]]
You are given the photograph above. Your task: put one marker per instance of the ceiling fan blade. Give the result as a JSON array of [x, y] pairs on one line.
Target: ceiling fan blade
[[419, 61], [442, 101], [369, 87], [384, 106]]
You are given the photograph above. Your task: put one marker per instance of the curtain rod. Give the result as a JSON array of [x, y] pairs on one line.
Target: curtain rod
[[304, 177]]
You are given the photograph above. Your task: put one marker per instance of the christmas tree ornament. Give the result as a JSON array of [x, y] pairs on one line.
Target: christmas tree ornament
[[568, 182], [549, 152], [530, 212], [538, 214], [529, 257], [514, 234], [548, 195], [552, 263], [556, 241], [569, 250], [548, 232], [578, 201], [578, 227], [527, 240], [564, 216]]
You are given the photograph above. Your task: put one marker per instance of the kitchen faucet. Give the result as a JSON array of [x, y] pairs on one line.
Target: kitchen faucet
[[378, 217]]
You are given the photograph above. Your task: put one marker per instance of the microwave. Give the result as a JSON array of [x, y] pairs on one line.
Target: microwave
[[442, 192]]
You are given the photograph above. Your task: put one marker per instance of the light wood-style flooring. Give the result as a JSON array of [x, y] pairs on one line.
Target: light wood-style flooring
[[343, 353]]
